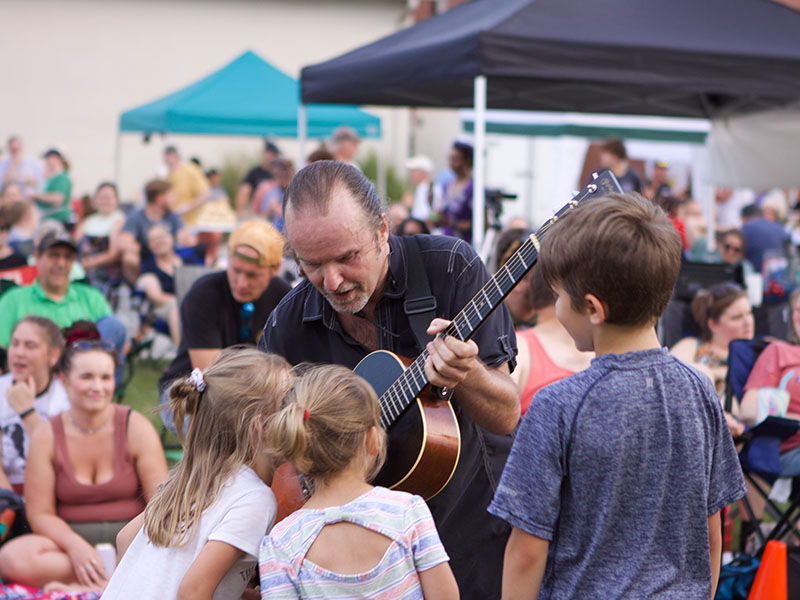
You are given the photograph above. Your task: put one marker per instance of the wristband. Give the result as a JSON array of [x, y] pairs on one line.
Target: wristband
[[25, 413]]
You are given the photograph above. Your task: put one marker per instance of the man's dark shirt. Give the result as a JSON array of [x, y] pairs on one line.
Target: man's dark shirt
[[211, 318], [760, 236], [256, 175], [304, 328], [630, 181]]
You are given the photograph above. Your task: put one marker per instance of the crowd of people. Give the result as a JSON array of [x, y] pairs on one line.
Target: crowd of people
[[561, 399]]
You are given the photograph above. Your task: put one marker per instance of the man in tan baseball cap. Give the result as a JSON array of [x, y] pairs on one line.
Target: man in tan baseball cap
[[229, 307], [257, 242]]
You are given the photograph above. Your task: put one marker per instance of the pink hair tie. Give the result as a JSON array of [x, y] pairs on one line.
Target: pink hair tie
[[305, 415]]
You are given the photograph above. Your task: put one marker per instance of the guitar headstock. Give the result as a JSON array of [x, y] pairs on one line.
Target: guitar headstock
[[606, 183], [602, 183]]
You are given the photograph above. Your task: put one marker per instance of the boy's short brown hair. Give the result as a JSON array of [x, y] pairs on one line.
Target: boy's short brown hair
[[620, 248], [155, 188]]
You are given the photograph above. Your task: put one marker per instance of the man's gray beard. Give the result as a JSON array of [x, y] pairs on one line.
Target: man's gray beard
[[349, 308]]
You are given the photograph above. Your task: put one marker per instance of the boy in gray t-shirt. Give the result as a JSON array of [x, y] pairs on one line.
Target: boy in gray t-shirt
[[618, 474]]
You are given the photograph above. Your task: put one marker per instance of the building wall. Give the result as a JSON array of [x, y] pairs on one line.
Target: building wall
[[70, 69]]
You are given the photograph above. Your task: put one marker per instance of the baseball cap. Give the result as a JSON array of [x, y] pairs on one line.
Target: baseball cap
[[271, 147], [261, 237], [421, 162], [662, 164], [56, 239], [53, 152]]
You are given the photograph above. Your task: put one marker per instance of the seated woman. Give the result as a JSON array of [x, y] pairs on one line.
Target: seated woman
[[90, 470], [157, 279], [24, 218], [30, 393], [779, 363], [547, 353], [723, 314], [97, 237], [9, 257]]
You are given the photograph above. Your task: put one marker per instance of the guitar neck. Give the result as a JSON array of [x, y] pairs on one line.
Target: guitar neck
[[407, 387], [463, 326]]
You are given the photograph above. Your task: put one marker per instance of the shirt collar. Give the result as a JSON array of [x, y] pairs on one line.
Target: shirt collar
[[39, 291], [317, 308]]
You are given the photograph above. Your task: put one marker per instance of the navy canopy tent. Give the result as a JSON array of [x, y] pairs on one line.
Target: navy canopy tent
[[681, 58], [248, 96], [650, 57]]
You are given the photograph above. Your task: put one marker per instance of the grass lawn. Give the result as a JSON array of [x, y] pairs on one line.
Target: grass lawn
[[142, 393]]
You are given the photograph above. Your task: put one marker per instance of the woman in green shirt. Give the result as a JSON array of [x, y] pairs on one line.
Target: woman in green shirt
[[53, 200]]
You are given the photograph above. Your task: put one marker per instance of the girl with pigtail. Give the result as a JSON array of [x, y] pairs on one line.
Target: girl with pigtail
[[351, 539], [199, 535]]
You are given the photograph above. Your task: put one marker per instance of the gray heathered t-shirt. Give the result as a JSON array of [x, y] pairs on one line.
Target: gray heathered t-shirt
[[620, 467]]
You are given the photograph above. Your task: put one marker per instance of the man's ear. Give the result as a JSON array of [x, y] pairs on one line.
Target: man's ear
[[596, 309], [383, 232]]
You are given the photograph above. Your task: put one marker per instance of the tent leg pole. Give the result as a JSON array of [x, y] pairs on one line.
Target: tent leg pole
[[302, 132], [478, 174]]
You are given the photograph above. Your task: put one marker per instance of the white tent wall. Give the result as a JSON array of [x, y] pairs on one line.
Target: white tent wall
[[758, 150], [544, 171]]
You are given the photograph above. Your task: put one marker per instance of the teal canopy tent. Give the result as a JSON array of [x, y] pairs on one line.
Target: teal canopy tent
[[248, 96]]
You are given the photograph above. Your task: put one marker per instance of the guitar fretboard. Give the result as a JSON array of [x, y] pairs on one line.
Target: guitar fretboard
[[407, 387]]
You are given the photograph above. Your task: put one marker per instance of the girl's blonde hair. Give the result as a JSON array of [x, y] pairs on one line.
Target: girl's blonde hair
[[244, 387], [322, 427]]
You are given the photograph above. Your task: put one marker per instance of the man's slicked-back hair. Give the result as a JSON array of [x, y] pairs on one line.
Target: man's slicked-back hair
[[312, 188], [622, 249]]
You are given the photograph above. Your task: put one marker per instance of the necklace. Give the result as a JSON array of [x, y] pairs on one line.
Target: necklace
[[88, 431]]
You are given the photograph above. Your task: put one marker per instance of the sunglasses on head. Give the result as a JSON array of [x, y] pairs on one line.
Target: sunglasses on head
[[725, 289], [86, 345]]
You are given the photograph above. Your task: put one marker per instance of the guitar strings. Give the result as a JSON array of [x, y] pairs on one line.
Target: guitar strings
[[395, 396], [504, 275]]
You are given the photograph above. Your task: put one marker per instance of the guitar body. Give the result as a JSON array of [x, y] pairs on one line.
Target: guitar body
[[288, 492], [424, 442]]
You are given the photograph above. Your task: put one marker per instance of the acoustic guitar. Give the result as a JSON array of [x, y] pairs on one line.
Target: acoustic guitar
[[424, 438], [423, 433]]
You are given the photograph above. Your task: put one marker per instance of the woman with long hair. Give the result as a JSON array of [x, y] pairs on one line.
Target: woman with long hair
[[90, 470], [97, 237], [30, 392], [723, 314]]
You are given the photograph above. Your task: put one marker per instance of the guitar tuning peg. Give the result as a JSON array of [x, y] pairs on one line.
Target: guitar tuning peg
[[592, 188]]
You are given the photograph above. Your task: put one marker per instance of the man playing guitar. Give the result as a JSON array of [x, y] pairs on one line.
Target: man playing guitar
[[352, 303]]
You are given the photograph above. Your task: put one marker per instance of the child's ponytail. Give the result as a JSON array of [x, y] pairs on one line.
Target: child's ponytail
[[701, 303], [184, 398], [323, 425], [288, 435]]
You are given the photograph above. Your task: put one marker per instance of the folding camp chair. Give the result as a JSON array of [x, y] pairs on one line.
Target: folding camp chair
[[760, 445]]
